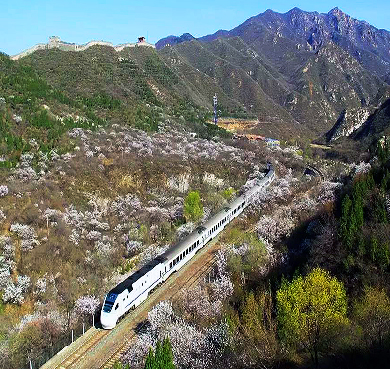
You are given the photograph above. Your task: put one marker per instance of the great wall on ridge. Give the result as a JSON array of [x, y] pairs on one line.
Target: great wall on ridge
[[56, 42]]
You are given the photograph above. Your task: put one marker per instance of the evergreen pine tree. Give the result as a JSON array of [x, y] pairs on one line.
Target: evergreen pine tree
[[383, 256], [159, 356], [168, 355], [385, 183], [374, 249], [150, 362], [346, 207], [359, 214], [381, 153], [380, 209], [370, 181], [352, 230]]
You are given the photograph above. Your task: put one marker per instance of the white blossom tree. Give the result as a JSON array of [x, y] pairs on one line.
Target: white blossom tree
[[87, 305], [3, 190], [15, 292], [27, 234]]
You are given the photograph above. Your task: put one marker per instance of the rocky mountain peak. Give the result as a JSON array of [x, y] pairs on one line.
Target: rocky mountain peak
[[295, 10], [336, 12]]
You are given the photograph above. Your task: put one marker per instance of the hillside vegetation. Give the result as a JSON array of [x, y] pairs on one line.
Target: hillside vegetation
[[302, 281]]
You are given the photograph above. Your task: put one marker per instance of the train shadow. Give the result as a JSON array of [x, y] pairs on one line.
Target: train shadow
[[142, 327]]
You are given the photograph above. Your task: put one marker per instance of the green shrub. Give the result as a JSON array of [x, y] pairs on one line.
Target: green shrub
[[193, 208]]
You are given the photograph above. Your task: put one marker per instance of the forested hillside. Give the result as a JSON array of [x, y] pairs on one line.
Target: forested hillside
[[302, 281]]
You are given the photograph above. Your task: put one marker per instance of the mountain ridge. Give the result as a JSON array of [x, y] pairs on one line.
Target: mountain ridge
[[316, 66], [310, 30]]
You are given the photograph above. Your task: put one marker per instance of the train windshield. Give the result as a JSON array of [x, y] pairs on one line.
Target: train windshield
[[109, 303]]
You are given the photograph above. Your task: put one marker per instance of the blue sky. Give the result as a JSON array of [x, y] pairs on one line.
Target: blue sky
[[24, 23]]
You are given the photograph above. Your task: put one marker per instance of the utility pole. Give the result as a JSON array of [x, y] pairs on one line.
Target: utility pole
[[215, 103]]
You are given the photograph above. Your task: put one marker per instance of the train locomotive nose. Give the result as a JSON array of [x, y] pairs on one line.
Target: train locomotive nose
[[107, 321]]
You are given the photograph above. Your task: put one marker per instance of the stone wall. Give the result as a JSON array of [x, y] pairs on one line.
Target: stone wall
[[55, 42]]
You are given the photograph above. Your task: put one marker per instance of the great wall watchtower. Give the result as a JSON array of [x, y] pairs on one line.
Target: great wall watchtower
[[56, 42]]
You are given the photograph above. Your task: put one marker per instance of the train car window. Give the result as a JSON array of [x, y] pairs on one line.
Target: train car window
[[170, 265], [109, 303], [116, 306]]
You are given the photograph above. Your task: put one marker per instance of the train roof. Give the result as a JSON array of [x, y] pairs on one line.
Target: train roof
[[128, 282], [218, 217], [195, 235], [183, 244]]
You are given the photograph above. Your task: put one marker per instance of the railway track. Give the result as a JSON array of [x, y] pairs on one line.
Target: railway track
[[81, 350]]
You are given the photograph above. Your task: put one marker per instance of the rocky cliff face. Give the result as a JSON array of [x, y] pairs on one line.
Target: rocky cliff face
[[376, 125]]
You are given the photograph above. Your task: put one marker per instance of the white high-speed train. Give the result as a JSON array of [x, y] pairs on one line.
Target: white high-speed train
[[135, 289]]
